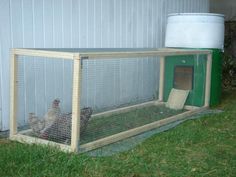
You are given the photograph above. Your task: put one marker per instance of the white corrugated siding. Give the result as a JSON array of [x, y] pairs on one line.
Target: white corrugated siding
[[80, 24]]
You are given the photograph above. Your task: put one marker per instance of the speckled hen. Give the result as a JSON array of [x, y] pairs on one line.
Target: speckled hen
[[60, 130]]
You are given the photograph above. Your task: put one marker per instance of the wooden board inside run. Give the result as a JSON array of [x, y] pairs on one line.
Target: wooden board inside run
[[101, 127]]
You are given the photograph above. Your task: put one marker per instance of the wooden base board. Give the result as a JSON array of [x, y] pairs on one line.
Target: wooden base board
[[25, 132], [190, 108], [33, 140], [186, 107]]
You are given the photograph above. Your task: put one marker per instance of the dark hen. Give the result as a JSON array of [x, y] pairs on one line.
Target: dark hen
[[60, 130]]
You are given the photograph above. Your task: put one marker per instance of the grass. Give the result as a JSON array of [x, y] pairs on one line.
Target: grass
[[202, 147]]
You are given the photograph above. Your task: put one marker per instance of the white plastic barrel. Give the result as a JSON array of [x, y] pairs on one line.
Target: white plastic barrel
[[195, 30]]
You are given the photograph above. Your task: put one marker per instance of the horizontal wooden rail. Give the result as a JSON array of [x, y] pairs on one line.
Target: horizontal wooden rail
[[106, 55], [44, 53], [34, 140], [127, 55], [125, 109]]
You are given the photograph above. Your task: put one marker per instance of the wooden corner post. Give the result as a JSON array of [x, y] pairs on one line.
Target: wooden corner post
[[75, 130], [161, 80], [208, 80], [13, 94]]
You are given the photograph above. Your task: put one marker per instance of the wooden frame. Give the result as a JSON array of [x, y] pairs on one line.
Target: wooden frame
[[13, 95], [208, 80], [77, 75], [161, 81], [78, 58]]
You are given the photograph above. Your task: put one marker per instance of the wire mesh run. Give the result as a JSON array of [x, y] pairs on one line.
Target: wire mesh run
[[85, 103]]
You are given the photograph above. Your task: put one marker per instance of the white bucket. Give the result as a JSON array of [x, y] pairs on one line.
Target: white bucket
[[195, 30]]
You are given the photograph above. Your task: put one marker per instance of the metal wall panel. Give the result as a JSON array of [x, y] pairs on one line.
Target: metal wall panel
[[80, 24], [6, 43], [0, 89]]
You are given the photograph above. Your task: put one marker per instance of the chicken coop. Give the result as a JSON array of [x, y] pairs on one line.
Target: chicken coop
[[82, 99]]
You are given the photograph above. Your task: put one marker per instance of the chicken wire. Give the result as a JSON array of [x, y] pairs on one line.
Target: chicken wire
[[121, 83], [44, 97], [44, 91], [129, 82]]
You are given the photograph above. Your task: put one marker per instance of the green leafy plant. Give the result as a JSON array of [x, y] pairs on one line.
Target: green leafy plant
[[229, 56], [229, 70]]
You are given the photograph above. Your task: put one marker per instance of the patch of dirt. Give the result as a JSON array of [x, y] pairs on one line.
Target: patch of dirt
[[4, 141]]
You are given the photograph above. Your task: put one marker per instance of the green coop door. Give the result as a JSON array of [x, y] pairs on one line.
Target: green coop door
[[186, 73]]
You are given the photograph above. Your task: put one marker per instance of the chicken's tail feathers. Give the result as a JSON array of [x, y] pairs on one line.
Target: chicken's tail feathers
[[87, 112]]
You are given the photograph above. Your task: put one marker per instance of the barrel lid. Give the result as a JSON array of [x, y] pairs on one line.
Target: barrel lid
[[195, 30], [197, 14]]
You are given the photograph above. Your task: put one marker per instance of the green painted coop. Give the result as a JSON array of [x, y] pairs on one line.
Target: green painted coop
[[195, 31]]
